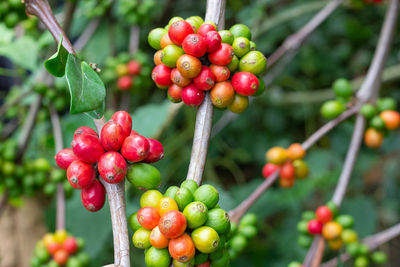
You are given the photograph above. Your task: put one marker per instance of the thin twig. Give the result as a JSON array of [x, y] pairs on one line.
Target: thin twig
[[215, 12], [70, 7], [87, 34], [14, 101]]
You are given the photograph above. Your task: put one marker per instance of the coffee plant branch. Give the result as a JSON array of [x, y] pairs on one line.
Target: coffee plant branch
[[215, 12]]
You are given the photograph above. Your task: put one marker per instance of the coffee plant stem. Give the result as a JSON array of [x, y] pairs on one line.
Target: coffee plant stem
[[215, 12], [70, 7], [87, 34]]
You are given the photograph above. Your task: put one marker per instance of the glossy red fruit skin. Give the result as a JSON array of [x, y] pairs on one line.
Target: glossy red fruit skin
[[135, 148], [192, 96], [80, 174], [175, 92], [87, 148], [178, 79], [221, 73], [245, 83], [172, 224], [65, 157], [206, 264], [112, 167], [314, 227], [223, 56], [194, 45], [161, 75], [133, 132], [324, 214], [182, 248], [134, 67], [125, 120], [94, 197], [124, 83], [205, 28], [287, 170], [213, 40], [269, 169], [148, 217], [53, 247], [112, 136], [70, 245], [178, 31], [85, 130], [205, 80], [156, 151]]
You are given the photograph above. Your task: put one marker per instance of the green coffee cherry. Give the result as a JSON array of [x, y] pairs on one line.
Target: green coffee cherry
[[332, 109], [342, 88], [368, 111]]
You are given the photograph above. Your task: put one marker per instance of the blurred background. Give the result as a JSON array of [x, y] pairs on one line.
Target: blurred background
[[287, 112]]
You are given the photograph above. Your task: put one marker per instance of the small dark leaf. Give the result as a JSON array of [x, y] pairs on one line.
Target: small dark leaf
[[85, 86], [55, 65]]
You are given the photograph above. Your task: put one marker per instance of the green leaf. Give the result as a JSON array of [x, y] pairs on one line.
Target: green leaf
[[85, 86], [55, 65], [98, 113], [22, 51]]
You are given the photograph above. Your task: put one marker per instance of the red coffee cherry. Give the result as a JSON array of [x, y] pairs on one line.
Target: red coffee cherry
[[80, 174], [222, 94], [124, 119], [194, 45], [315, 227], [53, 247], [61, 256], [213, 40], [172, 224], [205, 80], [93, 197], [245, 83], [65, 157], [175, 93], [87, 148], [148, 217], [178, 79], [112, 136], [135, 148], [133, 132], [83, 130], [221, 73], [178, 31], [134, 67], [192, 96], [222, 56], [182, 248], [161, 75], [124, 83], [324, 214], [269, 169], [70, 245], [207, 264], [112, 167], [156, 151], [287, 170], [205, 28]]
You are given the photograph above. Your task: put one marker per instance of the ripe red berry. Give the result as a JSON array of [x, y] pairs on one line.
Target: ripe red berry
[[124, 119], [53, 247], [205, 28], [87, 148], [221, 73], [194, 45], [324, 214], [65, 157], [133, 132], [172, 224], [192, 96], [80, 174], [148, 217], [70, 245], [222, 56], [206, 264], [178, 31], [175, 93], [83, 130], [93, 197], [205, 80], [61, 256], [245, 83], [134, 67], [178, 79], [182, 248], [161, 75], [287, 170], [135, 148], [112, 136], [124, 83], [112, 167], [156, 151], [314, 227], [222, 94], [269, 169], [213, 40]]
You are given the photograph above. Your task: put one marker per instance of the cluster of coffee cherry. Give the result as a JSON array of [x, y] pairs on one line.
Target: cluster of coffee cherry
[[60, 249], [186, 223], [337, 230], [193, 58], [107, 155], [381, 117], [241, 234], [288, 162]]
